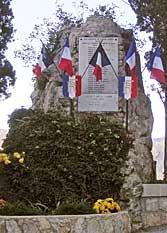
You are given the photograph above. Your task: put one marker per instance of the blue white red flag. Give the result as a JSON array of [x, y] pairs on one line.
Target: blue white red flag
[[130, 59], [98, 68], [44, 62], [156, 67], [37, 71], [99, 60], [65, 63], [72, 86], [125, 87]]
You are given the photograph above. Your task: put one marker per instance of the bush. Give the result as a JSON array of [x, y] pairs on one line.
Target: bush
[[19, 208], [64, 159], [67, 208]]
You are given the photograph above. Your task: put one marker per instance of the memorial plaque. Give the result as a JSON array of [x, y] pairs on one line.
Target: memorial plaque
[[100, 95]]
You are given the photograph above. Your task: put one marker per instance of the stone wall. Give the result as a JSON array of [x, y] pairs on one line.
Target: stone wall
[[95, 223], [139, 167], [154, 207]]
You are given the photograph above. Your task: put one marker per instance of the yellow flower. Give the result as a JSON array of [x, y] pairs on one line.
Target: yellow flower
[[21, 160], [103, 207], [97, 205], [7, 161], [106, 206], [116, 206], [106, 211], [17, 155], [109, 199], [3, 156]]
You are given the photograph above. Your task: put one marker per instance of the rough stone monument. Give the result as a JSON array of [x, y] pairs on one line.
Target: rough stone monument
[[140, 165]]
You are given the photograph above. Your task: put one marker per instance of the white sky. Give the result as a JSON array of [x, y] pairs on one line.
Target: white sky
[[27, 13]]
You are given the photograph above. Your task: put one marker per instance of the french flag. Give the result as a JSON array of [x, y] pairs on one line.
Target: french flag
[[99, 60], [65, 63], [37, 71], [98, 68], [72, 86], [126, 87], [156, 67], [130, 59], [44, 62]]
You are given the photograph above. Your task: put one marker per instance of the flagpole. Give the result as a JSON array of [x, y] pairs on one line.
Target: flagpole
[[85, 70], [51, 57], [144, 68], [113, 70], [71, 108], [127, 116]]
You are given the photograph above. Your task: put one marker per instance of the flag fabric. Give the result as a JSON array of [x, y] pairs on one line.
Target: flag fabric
[[99, 60], [126, 87], [98, 68], [37, 71], [72, 86], [44, 62], [44, 59], [139, 73], [65, 63], [130, 59], [156, 67]]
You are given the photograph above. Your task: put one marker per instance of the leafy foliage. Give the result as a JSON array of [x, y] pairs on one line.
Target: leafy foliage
[[49, 31], [52, 31], [65, 160], [105, 11], [7, 74], [151, 17], [68, 208], [20, 208]]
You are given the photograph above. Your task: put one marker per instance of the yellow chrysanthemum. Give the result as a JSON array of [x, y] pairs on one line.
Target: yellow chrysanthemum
[[103, 207], [16, 155], [3, 156], [106, 211], [116, 206], [110, 206], [97, 205], [21, 160], [7, 161], [106, 206], [109, 199], [98, 202]]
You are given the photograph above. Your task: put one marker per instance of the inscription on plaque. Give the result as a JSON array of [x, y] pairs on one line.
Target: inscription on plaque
[[98, 95]]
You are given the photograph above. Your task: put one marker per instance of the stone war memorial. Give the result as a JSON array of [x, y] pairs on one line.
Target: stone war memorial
[[143, 204], [103, 97]]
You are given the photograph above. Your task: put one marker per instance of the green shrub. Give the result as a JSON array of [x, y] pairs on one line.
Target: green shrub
[[67, 208], [64, 159], [41, 84], [20, 208]]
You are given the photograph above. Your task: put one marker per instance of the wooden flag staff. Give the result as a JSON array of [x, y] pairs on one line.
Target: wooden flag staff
[[127, 115]]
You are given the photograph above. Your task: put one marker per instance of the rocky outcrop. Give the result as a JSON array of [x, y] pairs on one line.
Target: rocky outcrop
[[158, 152], [140, 166]]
